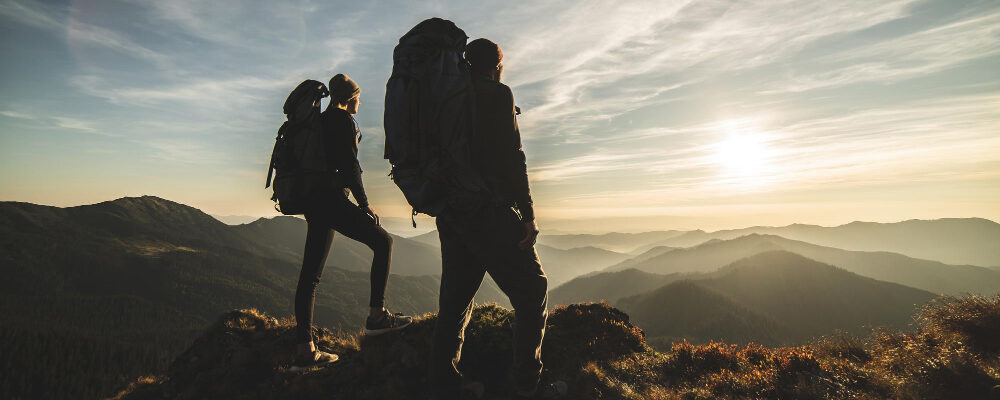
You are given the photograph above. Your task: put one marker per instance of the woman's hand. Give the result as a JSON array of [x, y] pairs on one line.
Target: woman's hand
[[530, 235], [371, 213]]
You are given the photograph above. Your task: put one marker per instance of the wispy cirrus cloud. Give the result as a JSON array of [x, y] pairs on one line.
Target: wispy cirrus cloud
[[913, 55], [55, 121], [77, 32], [232, 23], [670, 47], [214, 94]]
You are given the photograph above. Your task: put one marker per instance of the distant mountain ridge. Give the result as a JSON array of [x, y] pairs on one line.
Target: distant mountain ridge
[[959, 241], [932, 276], [786, 297]]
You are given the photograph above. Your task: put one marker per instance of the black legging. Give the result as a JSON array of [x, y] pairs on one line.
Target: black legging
[[338, 214]]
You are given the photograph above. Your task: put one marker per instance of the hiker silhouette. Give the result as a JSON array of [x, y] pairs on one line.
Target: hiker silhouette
[[473, 177], [317, 171]]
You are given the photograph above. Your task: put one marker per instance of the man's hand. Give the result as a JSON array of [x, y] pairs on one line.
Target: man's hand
[[530, 235], [371, 213]]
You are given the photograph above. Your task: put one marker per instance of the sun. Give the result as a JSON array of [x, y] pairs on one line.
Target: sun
[[742, 152]]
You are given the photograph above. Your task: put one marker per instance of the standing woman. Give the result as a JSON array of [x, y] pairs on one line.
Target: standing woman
[[332, 211]]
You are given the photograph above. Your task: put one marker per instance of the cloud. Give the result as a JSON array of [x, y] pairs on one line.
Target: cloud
[[632, 55], [73, 123], [34, 15], [51, 121], [186, 151], [232, 23], [913, 55], [18, 115], [201, 95], [78, 33]]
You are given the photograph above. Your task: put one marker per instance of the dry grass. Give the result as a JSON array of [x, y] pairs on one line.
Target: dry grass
[[953, 354]]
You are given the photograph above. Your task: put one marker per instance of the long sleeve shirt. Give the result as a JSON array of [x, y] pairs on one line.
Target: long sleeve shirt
[[341, 143], [497, 149]]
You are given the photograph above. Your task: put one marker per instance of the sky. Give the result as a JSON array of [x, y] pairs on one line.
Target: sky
[[635, 115]]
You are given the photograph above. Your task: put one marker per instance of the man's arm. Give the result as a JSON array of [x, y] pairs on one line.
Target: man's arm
[[516, 165]]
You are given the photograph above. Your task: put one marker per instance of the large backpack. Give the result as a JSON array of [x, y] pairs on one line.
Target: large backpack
[[298, 160], [429, 117]]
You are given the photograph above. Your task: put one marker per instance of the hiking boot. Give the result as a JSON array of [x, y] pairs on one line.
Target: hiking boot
[[386, 322], [316, 359], [551, 390]]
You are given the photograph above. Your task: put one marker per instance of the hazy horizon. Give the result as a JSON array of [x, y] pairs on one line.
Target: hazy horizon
[[656, 115], [402, 226]]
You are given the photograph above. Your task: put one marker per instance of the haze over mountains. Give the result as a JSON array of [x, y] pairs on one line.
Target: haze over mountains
[[771, 297], [973, 241], [932, 276], [129, 282], [779, 295]]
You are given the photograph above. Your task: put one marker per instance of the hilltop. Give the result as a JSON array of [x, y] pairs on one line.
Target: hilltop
[[120, 288], [602, 355]]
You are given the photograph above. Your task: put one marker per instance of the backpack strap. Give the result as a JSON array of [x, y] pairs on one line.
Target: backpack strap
[[274, 154]]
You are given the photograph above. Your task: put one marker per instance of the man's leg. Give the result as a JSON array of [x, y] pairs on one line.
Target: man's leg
[[461, 275], [519, 275]]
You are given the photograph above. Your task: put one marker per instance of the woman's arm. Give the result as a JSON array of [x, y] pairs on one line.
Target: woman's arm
[[348, 166]]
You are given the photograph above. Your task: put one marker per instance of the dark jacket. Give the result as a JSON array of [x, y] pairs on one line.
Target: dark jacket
[[341, 143], [496, 149]]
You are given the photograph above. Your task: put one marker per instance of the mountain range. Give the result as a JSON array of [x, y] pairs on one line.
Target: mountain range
[[771, 297], [122, 286], [960, 241], [932, 276]]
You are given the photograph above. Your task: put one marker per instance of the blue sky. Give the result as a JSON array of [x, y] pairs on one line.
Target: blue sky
[[650, 114]]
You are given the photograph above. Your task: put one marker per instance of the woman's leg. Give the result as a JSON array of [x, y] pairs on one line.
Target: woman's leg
[[319, 236], [352, 222]]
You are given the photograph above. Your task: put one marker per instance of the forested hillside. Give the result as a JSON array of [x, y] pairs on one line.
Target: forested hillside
[[93, 295]]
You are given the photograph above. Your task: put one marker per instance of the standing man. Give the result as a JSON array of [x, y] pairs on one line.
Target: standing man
[[498, 237]]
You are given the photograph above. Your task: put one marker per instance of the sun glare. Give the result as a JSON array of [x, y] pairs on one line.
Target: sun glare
[[742, 153]]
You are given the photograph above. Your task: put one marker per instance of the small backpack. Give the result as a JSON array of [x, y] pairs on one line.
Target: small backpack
[[429, 117], [298, 160]]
